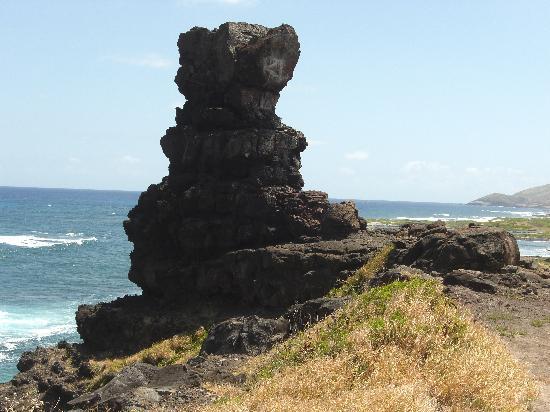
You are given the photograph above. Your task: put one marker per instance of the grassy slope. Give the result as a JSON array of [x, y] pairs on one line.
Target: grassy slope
[[400, 347]]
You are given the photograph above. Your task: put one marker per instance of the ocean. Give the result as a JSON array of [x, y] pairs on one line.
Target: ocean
[[60, 248]]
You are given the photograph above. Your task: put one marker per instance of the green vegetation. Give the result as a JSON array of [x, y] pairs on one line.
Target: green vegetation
[[540, 322], [354, 284]]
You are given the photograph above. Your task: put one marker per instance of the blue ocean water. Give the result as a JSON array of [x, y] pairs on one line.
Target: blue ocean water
[[60, 248]]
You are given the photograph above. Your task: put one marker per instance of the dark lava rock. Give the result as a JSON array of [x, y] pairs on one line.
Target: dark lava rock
[[234, 178], [398, 273], [476, 248], [26, 361], [470, 279], [143, 387], [48, 376], [341, 219], [131, 377], [303, 315], [238, 283], [233, 75], [250, 335]]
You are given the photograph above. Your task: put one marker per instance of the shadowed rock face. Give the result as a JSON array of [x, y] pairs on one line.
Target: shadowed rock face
[[234, 177]]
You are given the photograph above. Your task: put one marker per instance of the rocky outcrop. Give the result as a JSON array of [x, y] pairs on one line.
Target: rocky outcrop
[[250, 335], [47, 379], [444, 250], [261, 281], [303, 315], [234, 181], [143, 387], [230, 224]]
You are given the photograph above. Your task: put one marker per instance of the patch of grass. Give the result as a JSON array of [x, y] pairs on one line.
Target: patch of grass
[[497, 316], [540, 322], [400, 347], [508, 332], [543, 263], [354, 284], [177, 349]]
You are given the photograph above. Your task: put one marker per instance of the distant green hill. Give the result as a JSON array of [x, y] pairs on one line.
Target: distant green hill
[[534, 197]]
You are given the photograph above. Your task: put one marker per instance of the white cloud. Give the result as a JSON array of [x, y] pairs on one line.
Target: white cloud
[[128, 159], [420, 166], [153, 61], [494, 171], [346, 171], [357, 155]]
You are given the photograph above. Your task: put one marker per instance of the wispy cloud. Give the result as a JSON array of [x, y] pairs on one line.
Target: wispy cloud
[[491, 171], [129, 159], [152, 60], [357, 155]]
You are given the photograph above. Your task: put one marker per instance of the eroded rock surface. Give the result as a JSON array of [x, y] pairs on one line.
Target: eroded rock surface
[[234, 181], [444, 250]]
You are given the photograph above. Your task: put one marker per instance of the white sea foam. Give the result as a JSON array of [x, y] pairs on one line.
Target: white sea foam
[[52, 330], [515, 213], [479, 219], [32, 241], [20, 330]]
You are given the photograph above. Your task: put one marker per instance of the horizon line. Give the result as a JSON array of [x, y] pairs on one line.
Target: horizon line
[[140, 191]]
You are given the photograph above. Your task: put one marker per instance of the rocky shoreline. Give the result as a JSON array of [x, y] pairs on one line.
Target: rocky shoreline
[[230, 242]]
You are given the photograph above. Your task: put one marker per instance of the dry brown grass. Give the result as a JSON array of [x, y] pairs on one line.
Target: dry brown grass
[[177, 349], [400, 347]]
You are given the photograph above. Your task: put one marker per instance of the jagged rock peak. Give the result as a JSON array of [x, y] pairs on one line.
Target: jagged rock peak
[[232, 76]]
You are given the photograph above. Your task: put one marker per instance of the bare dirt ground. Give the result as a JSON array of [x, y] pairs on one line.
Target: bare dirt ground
[[523, 321]]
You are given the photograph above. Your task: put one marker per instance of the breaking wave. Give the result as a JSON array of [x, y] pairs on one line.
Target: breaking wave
[[37, 241]]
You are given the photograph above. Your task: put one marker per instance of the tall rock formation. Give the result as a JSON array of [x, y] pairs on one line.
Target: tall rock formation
[[234, 180], [229, 231]]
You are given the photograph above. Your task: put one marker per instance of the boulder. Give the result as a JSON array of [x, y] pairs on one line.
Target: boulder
[[471, 279], [249, 335], [303, 315], [476, 248]]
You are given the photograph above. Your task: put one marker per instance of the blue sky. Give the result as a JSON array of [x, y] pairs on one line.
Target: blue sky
[[400, 100]]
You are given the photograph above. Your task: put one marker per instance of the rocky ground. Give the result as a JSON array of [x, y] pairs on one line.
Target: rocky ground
[[519, 311], [513, 300]]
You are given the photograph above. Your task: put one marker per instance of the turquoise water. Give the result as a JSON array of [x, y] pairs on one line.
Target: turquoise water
[[60, 248]]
